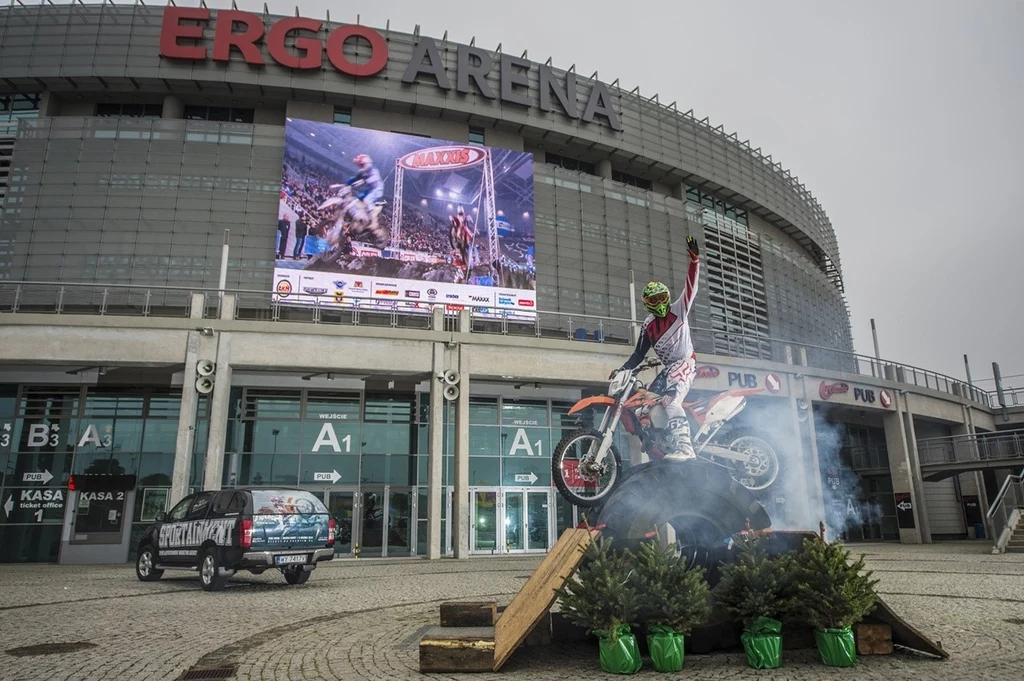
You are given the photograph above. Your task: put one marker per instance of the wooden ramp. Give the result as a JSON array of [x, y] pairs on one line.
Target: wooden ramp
[[467, 644], [538, 594]]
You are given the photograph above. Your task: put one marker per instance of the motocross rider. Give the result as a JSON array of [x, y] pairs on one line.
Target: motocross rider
[[367, 186], [667, 330], [460, 236]]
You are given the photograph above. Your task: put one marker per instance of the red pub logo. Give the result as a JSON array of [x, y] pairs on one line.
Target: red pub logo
[[827, 390], [707, 372]]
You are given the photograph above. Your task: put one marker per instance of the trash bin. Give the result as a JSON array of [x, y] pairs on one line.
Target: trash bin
[[979, 530]]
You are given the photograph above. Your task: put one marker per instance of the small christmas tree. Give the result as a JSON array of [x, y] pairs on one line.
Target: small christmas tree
[[604, 594], [829, 591], [670, 595], [756, 585]]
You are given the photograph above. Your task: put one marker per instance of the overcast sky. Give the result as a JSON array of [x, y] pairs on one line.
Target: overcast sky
[[902, 117]]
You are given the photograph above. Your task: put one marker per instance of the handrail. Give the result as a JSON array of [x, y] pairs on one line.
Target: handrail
[[1005, 511], [1010, 480], [836, 358]]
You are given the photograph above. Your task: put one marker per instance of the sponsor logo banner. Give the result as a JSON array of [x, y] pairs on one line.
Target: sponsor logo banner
[[827, 390]]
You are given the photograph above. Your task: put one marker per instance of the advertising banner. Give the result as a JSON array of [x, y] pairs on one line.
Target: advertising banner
[[389, 222]]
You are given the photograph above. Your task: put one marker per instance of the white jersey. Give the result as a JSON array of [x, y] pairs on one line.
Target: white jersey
[[670, 335]]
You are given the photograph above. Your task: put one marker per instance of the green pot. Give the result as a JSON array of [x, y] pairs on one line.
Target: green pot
[[666, 648], [618, 652], [764, 651], [836, 647]]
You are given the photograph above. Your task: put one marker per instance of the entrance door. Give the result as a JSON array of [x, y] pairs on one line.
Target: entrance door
[[341, 504], [484, 527], [400, 516], [527, 520]]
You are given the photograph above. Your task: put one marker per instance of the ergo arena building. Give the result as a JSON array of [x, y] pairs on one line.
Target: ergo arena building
[[133, 136]]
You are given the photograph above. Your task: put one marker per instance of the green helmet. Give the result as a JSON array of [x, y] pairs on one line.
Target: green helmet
[[656, 298]]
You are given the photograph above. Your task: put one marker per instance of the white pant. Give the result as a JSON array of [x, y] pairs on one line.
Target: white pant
[[674, 383]]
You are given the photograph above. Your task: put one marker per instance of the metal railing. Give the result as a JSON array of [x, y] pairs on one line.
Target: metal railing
[[1009, 502], [258, 305], [966, 448]]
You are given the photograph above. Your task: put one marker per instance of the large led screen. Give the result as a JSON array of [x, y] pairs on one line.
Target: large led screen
[[388, 221]]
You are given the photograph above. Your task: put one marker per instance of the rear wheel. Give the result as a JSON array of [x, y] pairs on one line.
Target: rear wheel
[[761, 468], [209, 571], [296, 575], [582, 482]]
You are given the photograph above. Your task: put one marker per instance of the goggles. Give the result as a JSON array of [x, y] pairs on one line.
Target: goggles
[[657, 298]]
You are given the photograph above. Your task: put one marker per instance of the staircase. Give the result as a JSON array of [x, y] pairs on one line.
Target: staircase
[[1016, 543]]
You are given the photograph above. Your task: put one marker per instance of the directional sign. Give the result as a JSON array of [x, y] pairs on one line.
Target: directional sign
[[334, 476], [526, 477], [34, 505], [43, 477], [904, 510], [773, 383]]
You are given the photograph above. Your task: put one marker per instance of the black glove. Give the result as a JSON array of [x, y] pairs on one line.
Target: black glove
[[691, 244], [614, 371]]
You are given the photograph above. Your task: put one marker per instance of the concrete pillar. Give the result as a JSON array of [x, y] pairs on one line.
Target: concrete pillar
[[917, 477], [973, 482], [604, 169], [460, 502], [49, 105], [186, 420], [815, 498], [435, 455], [901, 470], [219, 404], [173, 107]]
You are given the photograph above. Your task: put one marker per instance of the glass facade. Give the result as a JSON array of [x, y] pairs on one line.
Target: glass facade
[[49, 433]]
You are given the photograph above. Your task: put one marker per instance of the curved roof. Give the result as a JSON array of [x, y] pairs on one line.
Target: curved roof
[[115, 48]]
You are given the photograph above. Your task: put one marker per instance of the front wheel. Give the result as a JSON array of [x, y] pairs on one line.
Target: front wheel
[[580, 480], [761, 466], [145, 566]]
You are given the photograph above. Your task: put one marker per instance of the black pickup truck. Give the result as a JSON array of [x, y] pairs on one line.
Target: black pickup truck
[[255, 529]]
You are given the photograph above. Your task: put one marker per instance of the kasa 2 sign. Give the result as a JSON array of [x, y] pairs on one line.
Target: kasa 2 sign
[[295, 43]]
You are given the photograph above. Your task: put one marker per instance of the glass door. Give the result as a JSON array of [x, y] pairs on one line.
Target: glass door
[[538, 520], [400, 522], [341, 504], [515, 521], [371, 515], [484, 525]]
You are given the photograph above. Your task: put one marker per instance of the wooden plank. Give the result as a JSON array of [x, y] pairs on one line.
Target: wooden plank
[[873, 639], [538, 594], [457, 649], [469, 614]]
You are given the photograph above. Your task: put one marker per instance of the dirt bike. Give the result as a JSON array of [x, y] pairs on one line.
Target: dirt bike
[[586, 465], [352, 219]]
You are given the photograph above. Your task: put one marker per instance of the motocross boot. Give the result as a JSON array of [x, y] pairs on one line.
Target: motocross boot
[[679, 437]]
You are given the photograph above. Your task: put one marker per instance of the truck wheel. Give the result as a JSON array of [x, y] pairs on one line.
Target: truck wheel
[[296, 575], [209, 571], [145, 566]]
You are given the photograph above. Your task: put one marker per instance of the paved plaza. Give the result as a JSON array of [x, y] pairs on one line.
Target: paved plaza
[[362, 619]]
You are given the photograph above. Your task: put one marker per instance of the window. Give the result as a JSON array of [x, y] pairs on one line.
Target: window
[[222, 114], [229, 502], [14, 107], [200, 506], [570, 163], [720, 207], [342, 115], [178, 512], [115, 109], [632, 180], [476, 136]]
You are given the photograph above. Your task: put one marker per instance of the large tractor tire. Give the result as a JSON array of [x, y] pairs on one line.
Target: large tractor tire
[[696, 506]]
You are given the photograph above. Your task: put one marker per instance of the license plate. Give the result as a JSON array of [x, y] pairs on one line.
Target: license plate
[[285, 560]]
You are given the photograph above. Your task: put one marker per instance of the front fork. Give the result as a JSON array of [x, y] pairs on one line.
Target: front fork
[[609, 423]]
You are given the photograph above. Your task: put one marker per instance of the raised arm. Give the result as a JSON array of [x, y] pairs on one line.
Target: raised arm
[[689, 292]]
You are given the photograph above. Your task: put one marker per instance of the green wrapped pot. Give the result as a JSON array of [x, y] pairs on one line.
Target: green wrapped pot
[[618, 652], [836, 647], [762, 641], [666, 648]]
